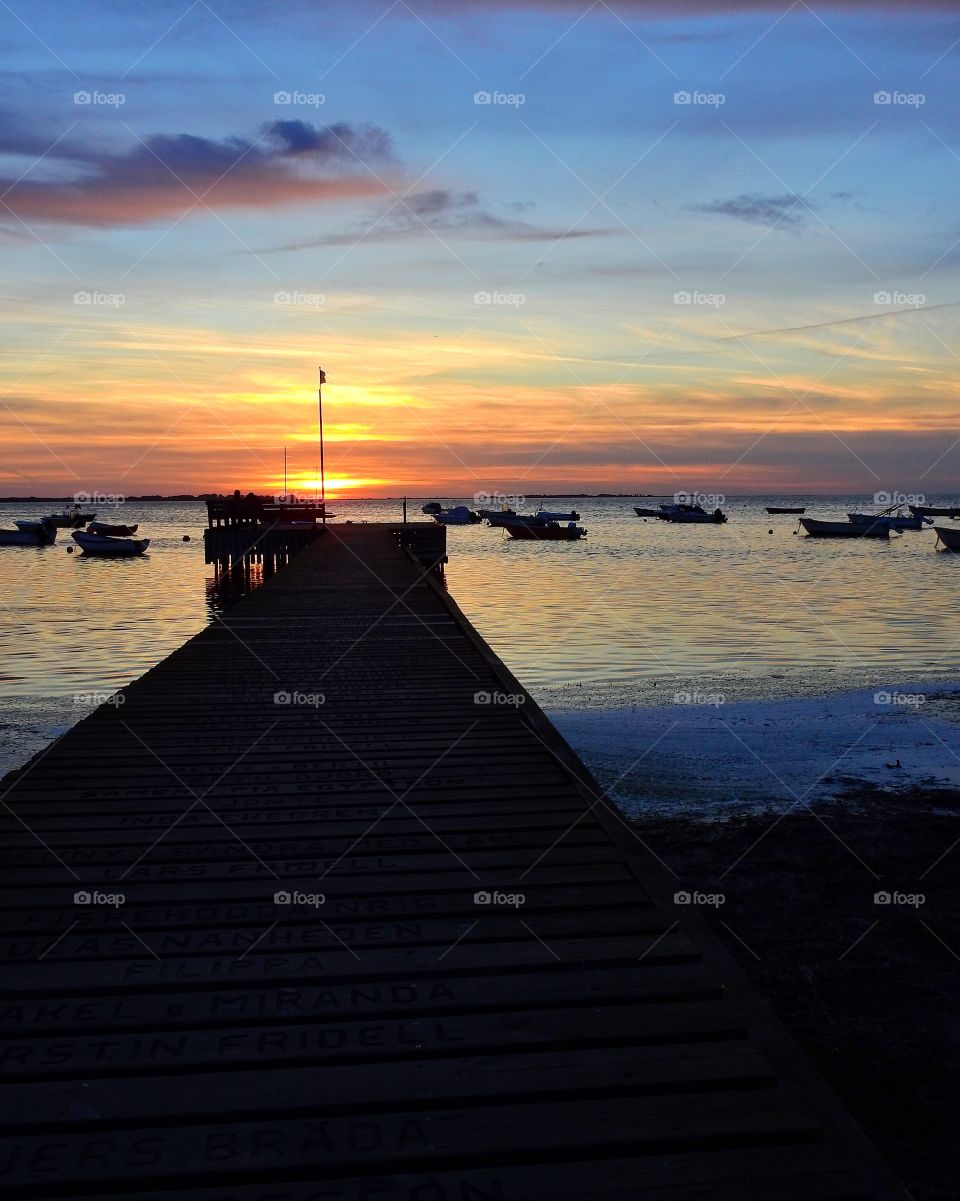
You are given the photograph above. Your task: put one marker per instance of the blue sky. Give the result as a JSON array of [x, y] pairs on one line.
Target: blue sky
[[648, 185]]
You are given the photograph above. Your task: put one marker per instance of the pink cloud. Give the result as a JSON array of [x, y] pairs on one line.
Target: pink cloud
[[164, 175]]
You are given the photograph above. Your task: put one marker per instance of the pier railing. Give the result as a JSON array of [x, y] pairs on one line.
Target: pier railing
[[260, 510]]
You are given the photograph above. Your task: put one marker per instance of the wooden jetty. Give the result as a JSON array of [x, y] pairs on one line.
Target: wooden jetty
[[326, 910]]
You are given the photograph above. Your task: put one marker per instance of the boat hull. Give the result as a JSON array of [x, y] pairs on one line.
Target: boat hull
[[895, 523], [109, 548], [696, 519], [773, 509], [844, 529], [933, 511], [460, 515], [112, 531], [30, 533], [949, 538], [24, 538], [546, 533], [71, 521], [646, 512], [507, 521]]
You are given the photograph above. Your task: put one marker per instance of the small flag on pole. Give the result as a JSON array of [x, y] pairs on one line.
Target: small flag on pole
[[323, 376]]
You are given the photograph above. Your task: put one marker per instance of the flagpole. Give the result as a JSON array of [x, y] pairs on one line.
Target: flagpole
[[322, 379]]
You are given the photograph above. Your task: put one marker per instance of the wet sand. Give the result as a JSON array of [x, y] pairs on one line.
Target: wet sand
[[869, 990]]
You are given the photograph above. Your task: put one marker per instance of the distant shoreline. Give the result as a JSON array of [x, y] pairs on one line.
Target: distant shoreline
[[155, 497]]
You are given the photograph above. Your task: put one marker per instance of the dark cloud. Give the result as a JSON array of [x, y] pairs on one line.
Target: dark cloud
[[164, 174], [447, 213], [788, 211]]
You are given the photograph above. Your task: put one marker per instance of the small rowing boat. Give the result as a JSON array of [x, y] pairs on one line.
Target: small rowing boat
[[784, 509], [30, 533], [547, 531], [111, 531], [111, 548], [934, 511], [949, 538], [845, 529]]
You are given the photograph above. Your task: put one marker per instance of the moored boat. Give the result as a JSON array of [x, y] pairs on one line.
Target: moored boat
[[697, 517], [573, 515], [785, 509], [548, 531], [97, 544], [641, 512], [30, 533], [71, 519], [668, 512], [934, 511], [949, 538], [112, 531], [458, 515], [894, 521], [506, 520], [845, 529]]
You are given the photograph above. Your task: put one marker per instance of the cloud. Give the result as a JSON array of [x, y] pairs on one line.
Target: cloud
[[443, 211], [787, 211], [164, 174]]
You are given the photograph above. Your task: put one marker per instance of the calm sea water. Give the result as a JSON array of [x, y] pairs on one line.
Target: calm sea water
[[625, 616]]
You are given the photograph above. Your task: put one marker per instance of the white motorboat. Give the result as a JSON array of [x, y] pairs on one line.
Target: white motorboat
[[895, 521], [458, 515]]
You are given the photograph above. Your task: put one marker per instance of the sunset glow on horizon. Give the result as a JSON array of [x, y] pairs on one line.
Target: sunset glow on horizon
[[662, 247]]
